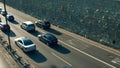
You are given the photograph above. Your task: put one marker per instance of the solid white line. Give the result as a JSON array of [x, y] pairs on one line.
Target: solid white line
[[61, 59], [88, 54]]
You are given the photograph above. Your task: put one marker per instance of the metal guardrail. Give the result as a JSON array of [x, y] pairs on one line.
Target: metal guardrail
[[14, 54]]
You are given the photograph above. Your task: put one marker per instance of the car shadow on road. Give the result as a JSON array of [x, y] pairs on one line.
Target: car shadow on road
[[36, 56], [54, 31], [60, 49], [14, 22], [35, 33], [11, 34]]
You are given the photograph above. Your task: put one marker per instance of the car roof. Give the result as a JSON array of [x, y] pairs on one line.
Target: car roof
[[50, 36], [44, 21], [28, 22]]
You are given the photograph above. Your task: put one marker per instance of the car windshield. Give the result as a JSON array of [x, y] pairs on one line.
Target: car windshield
[[11, 16], [50, 37], [27, 41]]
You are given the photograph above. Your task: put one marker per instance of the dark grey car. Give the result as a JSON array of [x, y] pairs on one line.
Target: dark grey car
[[48, 39], [43, 24]]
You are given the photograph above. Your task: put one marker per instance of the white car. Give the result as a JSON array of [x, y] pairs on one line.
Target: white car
[[25, 44], [28, 26]]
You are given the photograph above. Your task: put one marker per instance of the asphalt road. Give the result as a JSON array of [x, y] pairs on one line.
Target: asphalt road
[[3, 63], [70, 51]]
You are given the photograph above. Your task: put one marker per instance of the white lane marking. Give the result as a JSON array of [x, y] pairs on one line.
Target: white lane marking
[[116, 61], [88, 54], [61, 59]]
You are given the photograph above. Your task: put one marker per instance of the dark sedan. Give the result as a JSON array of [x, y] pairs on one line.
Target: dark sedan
[[4, 27], [48, 39], [10, 17], [43, 24]]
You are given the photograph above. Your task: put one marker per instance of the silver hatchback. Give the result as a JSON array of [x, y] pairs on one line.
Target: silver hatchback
[[28, 26]]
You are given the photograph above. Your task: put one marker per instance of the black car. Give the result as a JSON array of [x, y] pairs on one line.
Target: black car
[[48, 39], [4, 27], [10, 17], [44, 24]]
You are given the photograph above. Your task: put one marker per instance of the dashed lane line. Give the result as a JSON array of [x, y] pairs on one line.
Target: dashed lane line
[[88, 54]]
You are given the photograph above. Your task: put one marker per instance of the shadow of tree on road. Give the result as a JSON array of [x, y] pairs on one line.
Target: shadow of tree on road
[[11, 34]]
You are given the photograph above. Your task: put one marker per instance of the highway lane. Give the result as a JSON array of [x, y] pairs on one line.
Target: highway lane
[[74, 53]]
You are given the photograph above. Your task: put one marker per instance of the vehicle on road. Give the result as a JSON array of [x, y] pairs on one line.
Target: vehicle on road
[[48, 39], [4, 27], [3, 12], [28, 26], [25, 44], [44, 24], [10, 17]]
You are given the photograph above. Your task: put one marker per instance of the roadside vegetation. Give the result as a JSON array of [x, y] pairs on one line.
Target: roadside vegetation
[[98, 20]]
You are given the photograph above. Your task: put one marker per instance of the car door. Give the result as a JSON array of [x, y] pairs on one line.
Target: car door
[[45, 39]]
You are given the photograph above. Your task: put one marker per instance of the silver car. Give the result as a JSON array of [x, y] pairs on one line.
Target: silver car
[[25, 44], [28, 26]]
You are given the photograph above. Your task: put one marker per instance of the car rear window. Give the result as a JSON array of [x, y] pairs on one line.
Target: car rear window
[[27, 42], [31, 25], [50, 37]]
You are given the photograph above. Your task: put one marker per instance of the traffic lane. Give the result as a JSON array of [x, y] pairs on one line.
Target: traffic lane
[[104, 55], [80, 59], [90, 49], [47, 49], [42, 48]]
